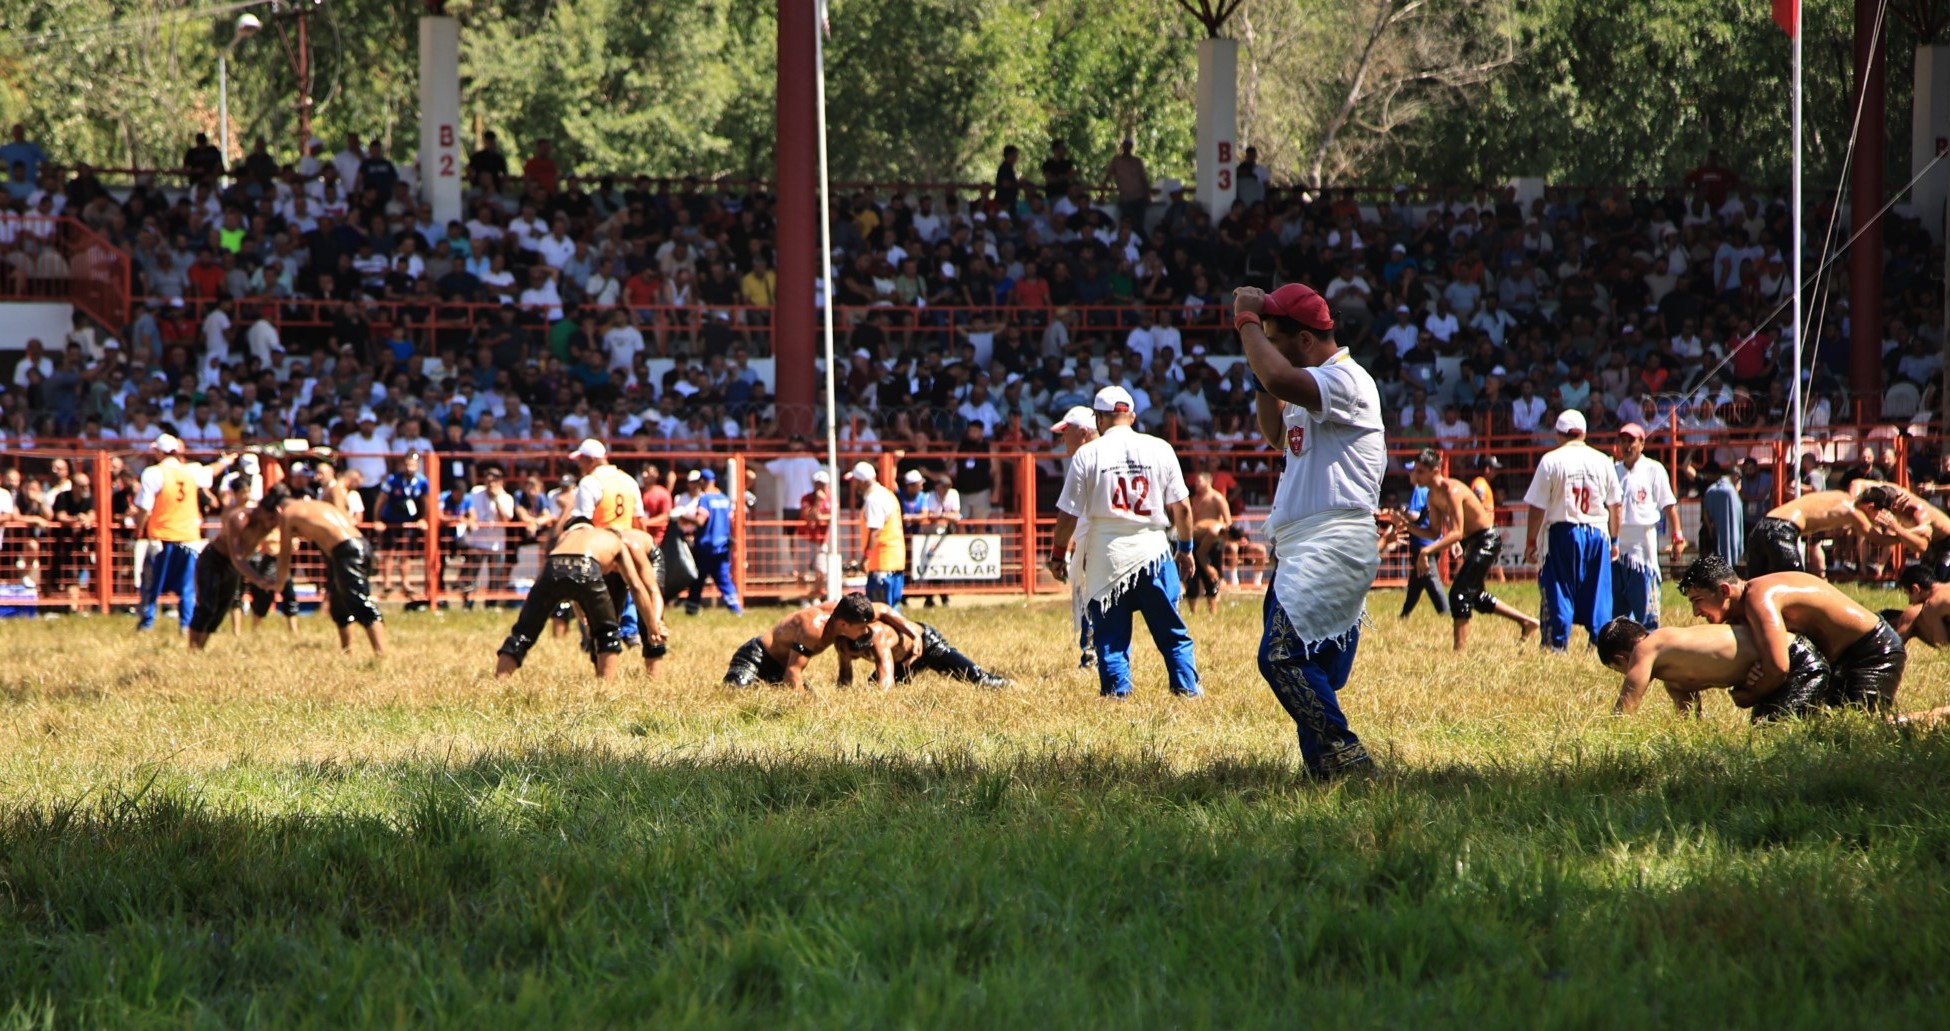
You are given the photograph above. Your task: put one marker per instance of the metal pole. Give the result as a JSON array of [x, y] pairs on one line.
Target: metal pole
[[1799, 395], [223, 103], [834, 581]]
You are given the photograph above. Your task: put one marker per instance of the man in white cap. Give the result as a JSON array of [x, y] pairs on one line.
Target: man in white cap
[[611, 499], [170, 516], [1077, 428], [365, 453], [1131, 489], [1315, 404], [814, 511], [1575, 492], [884, 553]]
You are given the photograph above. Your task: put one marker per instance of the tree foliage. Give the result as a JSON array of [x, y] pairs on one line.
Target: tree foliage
[[1449, 90]]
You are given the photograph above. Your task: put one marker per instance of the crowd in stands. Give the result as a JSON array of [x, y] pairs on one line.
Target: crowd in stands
[[995, 307]]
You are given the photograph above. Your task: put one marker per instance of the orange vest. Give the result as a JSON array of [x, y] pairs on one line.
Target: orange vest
[[617, 508], [176, 515]]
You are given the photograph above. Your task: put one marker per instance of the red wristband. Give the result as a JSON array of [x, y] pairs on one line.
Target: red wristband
[[1240, 320]]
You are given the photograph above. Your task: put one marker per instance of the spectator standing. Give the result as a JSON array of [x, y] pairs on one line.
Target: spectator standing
[[402, 507], [170, 519], [975, 471], [814, 512], [1723, 524], [1006, 190], [1126, 170], [541, 170], [1646, 490], [1058, 172], [711, 546], [885, 550], [489, 160], [1131, 488], [1575, 493]]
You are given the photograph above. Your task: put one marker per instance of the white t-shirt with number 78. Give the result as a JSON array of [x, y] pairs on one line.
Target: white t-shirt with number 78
[[1575, 483], [1124, 479]]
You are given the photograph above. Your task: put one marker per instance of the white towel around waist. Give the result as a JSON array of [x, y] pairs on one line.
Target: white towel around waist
[[1117, 559], [1327, 563], [1638, 548]]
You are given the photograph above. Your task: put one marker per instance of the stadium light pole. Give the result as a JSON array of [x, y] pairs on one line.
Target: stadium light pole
[[247, 26]]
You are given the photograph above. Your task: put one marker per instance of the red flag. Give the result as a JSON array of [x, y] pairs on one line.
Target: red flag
[[1787, 14]]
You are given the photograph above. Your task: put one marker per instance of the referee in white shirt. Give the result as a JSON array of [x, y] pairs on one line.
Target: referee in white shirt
[[1321, 409], [1129, 489], [1574, 492], [1646, 487]]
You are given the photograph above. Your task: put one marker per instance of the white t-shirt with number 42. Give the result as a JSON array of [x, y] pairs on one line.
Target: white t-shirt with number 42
[[1124, 479], [1575, 483], [1336, 457]]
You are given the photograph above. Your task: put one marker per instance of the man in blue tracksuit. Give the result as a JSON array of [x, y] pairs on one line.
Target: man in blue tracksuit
[[711, 547], [1576, 493]]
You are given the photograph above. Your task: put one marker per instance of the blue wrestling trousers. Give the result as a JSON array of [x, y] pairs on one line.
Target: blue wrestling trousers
[[1575, 582]]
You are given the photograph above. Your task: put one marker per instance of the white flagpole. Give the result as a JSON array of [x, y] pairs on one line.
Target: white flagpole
[[833, 490], [1798, 395]]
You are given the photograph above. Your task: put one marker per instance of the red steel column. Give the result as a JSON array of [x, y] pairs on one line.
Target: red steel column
[[1865, 198], [796, 160], [104, 534]]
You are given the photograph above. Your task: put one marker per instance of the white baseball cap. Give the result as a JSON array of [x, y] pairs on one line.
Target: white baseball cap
[[1570, 421], [822, 477], [1110, 398], [167, 444], [913, 476], [693, 476], [863, 472], [365, 415], [1077, 416], [591, 448]]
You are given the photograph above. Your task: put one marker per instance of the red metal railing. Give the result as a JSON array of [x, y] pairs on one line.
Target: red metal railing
[[61, 259], [95, 565]]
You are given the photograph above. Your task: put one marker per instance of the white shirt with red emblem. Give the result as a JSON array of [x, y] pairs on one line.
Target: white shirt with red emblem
[[1336, 457], [1648, 490]]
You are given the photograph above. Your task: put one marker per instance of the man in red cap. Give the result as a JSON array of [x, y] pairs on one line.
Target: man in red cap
[[1647, 488], [1322, 409]]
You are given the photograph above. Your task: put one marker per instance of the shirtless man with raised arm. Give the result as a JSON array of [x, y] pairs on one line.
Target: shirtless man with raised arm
[[896, 657], [1774, 545], [1692, 659], [219, 575], [1211, 514], [348, 564], [1914, 523], [1866, 654], [780, 655], [573, 573], [1466, 521]]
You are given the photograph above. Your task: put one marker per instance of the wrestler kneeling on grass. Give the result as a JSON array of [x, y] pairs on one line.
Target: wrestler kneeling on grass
[[897, 657], [1866, 654], [780, 655], [574, 572], [1693, 659]]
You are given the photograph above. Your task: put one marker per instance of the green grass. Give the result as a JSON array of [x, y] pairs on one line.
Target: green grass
[[262, 837]]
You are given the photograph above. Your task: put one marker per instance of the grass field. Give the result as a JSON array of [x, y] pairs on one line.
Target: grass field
[[271, 834]]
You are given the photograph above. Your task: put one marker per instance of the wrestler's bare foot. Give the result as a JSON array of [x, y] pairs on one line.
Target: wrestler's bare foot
[[1529, 631]]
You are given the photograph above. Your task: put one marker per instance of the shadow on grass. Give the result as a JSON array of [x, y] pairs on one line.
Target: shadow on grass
[[581, 886]]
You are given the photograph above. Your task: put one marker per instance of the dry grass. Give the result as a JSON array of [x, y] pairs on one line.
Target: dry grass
[[935, 855]]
